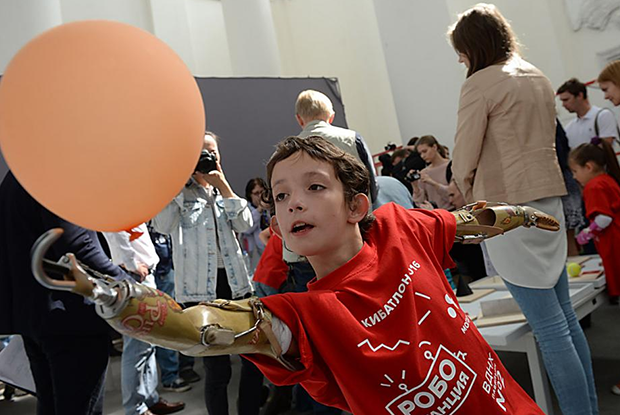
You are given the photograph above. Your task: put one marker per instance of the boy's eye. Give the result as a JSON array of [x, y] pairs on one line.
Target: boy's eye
[[316, 187], [279, 197]]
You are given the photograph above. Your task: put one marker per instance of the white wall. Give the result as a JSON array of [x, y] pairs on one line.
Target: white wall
[[424, 73], [209, 43], [171, 24], [133, 12], [22, 20], [341, 39], [398, 74]]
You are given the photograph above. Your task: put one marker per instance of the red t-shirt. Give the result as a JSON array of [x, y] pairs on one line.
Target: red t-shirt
[[602, 197], [384, 334], [271, 269]]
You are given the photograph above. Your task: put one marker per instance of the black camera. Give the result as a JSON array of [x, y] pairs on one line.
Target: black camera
[[412, 176], [390, 147], [207, 162]]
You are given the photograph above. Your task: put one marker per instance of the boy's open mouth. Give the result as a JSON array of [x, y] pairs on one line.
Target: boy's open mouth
[[300, 227]]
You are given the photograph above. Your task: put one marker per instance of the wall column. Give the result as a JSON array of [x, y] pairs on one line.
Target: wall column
[[251, 38]]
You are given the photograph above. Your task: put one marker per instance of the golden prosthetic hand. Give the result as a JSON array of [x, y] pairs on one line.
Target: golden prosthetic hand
[[221, 326], [481, 220]]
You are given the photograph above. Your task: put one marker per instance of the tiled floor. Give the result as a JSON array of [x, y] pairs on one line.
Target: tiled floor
[[603, 335], [194, 398]]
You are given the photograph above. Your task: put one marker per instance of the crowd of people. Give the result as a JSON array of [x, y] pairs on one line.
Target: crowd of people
[[319, 224]]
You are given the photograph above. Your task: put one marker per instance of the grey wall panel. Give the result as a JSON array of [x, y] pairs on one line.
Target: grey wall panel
[[252, 115]]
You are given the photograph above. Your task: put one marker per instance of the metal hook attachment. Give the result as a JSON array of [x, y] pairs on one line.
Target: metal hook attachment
[[77, 278], [39, 264]]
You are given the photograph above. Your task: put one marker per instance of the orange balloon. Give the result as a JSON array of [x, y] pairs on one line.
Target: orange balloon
[[101, 122]]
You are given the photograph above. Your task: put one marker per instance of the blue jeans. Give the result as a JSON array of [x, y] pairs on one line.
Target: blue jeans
[[562, 343], [138, 376], [167, 360], [263, 290]]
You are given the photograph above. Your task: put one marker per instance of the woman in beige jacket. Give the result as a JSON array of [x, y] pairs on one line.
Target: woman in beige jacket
[[504, 151]]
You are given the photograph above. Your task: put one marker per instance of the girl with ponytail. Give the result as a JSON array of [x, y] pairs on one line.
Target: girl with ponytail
[[595, 167]]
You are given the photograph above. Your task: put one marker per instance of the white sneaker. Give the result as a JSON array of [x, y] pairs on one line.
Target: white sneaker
[[616, 389]]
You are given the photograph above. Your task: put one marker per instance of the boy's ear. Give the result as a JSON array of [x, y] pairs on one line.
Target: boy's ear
[[275, 227], [358, 208]]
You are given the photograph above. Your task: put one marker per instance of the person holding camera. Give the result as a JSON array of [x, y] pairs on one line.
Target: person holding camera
[[431, 184], [202, 220], [403, 161]]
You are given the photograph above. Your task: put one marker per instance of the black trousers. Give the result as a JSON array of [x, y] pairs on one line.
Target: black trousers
[[469, 260], [69, 373], [218, 373]]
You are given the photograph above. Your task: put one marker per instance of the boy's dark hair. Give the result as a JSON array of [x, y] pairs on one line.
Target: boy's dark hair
[[574, 87], [602, 154], [484, 36], [349, 171]]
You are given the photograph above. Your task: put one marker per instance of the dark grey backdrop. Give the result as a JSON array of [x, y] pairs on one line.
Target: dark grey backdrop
[[251, 115]]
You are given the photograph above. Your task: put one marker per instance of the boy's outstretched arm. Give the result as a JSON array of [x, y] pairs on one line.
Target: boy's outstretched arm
[[481, 220], [213, 328], [222, 326]]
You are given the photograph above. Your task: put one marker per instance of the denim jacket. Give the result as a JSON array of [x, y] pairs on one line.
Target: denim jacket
[[190, 220]]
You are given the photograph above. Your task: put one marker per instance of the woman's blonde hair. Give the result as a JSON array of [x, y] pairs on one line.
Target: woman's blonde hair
[[610, 73]]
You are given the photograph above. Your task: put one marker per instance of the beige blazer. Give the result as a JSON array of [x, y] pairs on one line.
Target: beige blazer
[[505, 140]]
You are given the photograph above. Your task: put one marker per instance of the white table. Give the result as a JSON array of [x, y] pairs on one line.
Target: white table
[[589, 263], [518, 337]]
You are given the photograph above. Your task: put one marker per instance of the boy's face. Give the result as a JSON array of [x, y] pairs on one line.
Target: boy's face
[[311, 211]]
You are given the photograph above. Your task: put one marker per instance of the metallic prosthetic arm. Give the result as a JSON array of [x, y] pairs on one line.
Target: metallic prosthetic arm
[[208, 329]]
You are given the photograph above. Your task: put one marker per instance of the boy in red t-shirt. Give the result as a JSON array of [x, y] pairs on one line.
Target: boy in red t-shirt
[[379, 330]]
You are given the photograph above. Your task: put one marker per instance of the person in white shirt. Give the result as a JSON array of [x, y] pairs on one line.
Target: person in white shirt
[[591, 120], [134, 251]]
